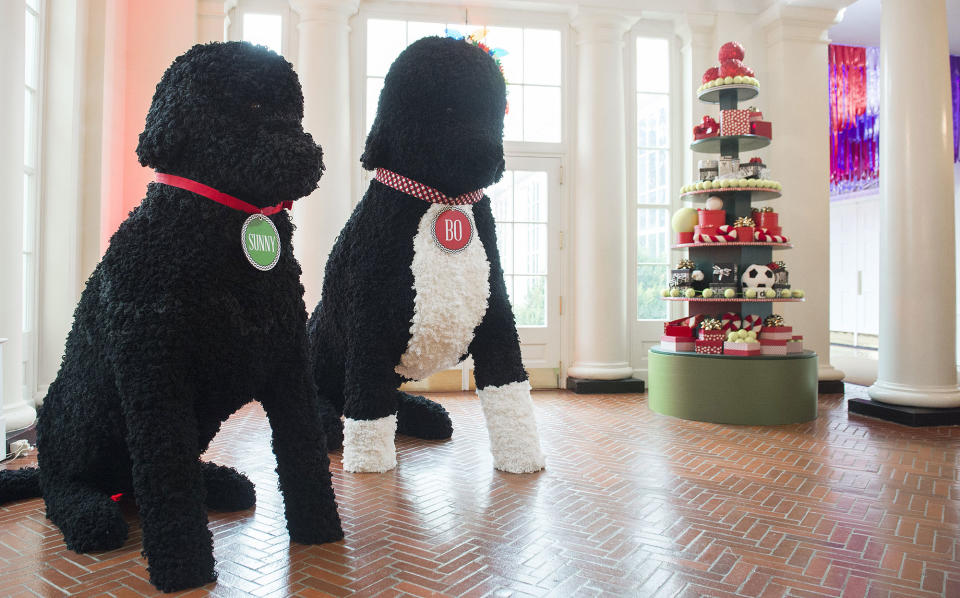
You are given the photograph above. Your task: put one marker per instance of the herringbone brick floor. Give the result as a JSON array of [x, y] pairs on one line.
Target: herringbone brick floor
[[631, 504]]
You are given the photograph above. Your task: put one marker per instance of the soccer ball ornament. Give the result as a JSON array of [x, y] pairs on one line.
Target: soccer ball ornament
[[757, 276]]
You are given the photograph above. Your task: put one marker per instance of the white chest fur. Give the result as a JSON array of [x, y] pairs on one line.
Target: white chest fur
[[451, 299]]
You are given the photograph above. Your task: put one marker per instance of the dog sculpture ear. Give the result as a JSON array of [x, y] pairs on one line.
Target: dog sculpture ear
[[376, 151], [159, 146]]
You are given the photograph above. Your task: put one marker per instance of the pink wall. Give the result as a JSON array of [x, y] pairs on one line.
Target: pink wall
[[143, 38]]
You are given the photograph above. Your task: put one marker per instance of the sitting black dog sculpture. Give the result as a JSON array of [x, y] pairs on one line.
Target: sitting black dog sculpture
[[413, 283], [181, 324]]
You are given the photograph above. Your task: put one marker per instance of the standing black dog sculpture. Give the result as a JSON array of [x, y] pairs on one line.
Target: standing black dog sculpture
[[413, 283], [181, 324]]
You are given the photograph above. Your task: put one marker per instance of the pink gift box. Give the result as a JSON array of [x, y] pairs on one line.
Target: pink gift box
[[743, 349], [676, 344], [777, 333], [773, 347], [734, 122], [795, 345]]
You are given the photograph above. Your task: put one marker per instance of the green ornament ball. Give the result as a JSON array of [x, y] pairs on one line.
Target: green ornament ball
[[798, 293], [750, 293], [674, 292], [665, 293], [690, 293], [684, 220], [729, 293], [770, 293], [786, 293], [707, 293]]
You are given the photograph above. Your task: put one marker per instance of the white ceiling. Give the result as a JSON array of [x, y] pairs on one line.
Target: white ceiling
[[861, 25]]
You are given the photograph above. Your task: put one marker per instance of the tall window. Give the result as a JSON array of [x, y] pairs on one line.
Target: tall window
[[653, 175], [519, 204], [264, 30], [31, 187], [531, 64]]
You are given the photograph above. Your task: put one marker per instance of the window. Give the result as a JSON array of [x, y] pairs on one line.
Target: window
[[264, 30], [653, 175], [531, 65], [519, 203], [31, 188]]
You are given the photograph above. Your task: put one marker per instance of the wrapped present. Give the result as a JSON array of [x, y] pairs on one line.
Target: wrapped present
[[764, 128], [707, 128], [685, 237], [682, 327], [725, 273], [795, 345], [773, 347], [680, 279], [752, 169], [766, 218], [677, 332], [728, 167], [742, 349], [754, 114], [711, 217], [777, 333], [712, 335], [673, 343], [734, 122], [708, 170], [709, 347], [744, 226], [730, 321], [752, 322]]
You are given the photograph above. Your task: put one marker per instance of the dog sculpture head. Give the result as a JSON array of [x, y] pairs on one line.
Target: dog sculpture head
[[440, 117], [228, 115]]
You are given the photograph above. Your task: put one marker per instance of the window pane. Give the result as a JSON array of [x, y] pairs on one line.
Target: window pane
[[505, 246], [650, 281], [29, 129], [263, 30], [416, 30], [530, 248], [653, 120], [385, 39], [541, 56], [34, 4], [513, 120], [653, 65], [374, 85], [541, 118], [530, 196], [653, 176], [509, 39], [501, 197], [32, 47], [651, 239], [529, 300], [29, 213]]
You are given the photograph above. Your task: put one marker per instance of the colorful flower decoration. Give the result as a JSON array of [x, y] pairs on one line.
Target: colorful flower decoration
[[476, 38]]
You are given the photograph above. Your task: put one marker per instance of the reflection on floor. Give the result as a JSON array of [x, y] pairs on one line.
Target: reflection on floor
[[631, 503]]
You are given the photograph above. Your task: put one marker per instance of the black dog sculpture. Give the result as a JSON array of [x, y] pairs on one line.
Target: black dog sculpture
[[413, 283], [177, 329]]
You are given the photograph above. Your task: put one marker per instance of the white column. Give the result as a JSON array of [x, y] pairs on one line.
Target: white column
[[16, 410], [599, 213], [696, 31], [323, 64], [211, 21], [917, 302], [794, 97]]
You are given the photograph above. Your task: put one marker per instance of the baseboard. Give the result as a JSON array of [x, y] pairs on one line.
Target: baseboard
[[830, 387], [583, 386], [904, 415]]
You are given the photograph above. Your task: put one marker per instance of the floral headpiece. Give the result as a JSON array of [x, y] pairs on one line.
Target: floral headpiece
[[476, 38]]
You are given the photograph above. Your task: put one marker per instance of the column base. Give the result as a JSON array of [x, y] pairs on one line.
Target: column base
[[904, 414], [600, 371], [583, 386], [933, 397], [830, 387], [19, 415]]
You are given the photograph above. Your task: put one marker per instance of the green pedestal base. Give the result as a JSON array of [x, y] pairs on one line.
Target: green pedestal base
[[726, 389]]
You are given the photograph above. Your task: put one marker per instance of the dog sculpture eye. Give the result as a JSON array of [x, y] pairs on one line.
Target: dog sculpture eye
[[255, 106]]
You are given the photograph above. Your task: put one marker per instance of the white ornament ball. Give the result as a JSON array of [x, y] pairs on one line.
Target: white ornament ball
[[714, 203], [697, 275]]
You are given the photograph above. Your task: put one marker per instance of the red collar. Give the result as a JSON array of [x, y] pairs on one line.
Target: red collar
[[421, 191], [222, 198]]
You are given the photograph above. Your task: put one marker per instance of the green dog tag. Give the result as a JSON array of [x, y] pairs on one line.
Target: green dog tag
[[261, 242]]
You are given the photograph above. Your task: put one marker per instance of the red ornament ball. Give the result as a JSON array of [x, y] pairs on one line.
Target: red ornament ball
[[710, 74], [746, 71], [730, 67], [730, 50]]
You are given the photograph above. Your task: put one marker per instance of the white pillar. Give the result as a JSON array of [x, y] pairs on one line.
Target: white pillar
[[599, 213], [323, 64], [697, 51], [794, 97], [917, 301], [211, 21], [16, 410]]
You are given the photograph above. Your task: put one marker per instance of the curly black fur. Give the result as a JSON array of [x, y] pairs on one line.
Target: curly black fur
[[18, 484], [175, 330], [440, 122]]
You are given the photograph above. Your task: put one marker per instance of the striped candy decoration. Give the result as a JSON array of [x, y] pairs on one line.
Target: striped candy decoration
[[762, 236], [728, 235], [752, 322], [730, 321]]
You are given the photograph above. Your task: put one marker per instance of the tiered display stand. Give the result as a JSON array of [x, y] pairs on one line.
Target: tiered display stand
[[761, 390]]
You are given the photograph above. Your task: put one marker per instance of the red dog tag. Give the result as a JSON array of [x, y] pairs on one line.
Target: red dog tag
[[452, 230]]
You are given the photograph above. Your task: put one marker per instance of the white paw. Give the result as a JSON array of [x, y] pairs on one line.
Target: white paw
[[514, 440], [368, 444]]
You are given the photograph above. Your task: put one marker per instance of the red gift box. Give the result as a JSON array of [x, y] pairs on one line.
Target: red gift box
[[777, 333], [677, 331], [764, 128], [773, 347], [734, 122], [755, 115], [705, 230], [707, 128], [745, 234], [709, 347], [743, 349], [711, 217], [685, 237], [767, 219], [773, 230], [712, 335], [672, 343]]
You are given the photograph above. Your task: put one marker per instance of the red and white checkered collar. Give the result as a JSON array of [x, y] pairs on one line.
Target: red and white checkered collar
[[421, 191]]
